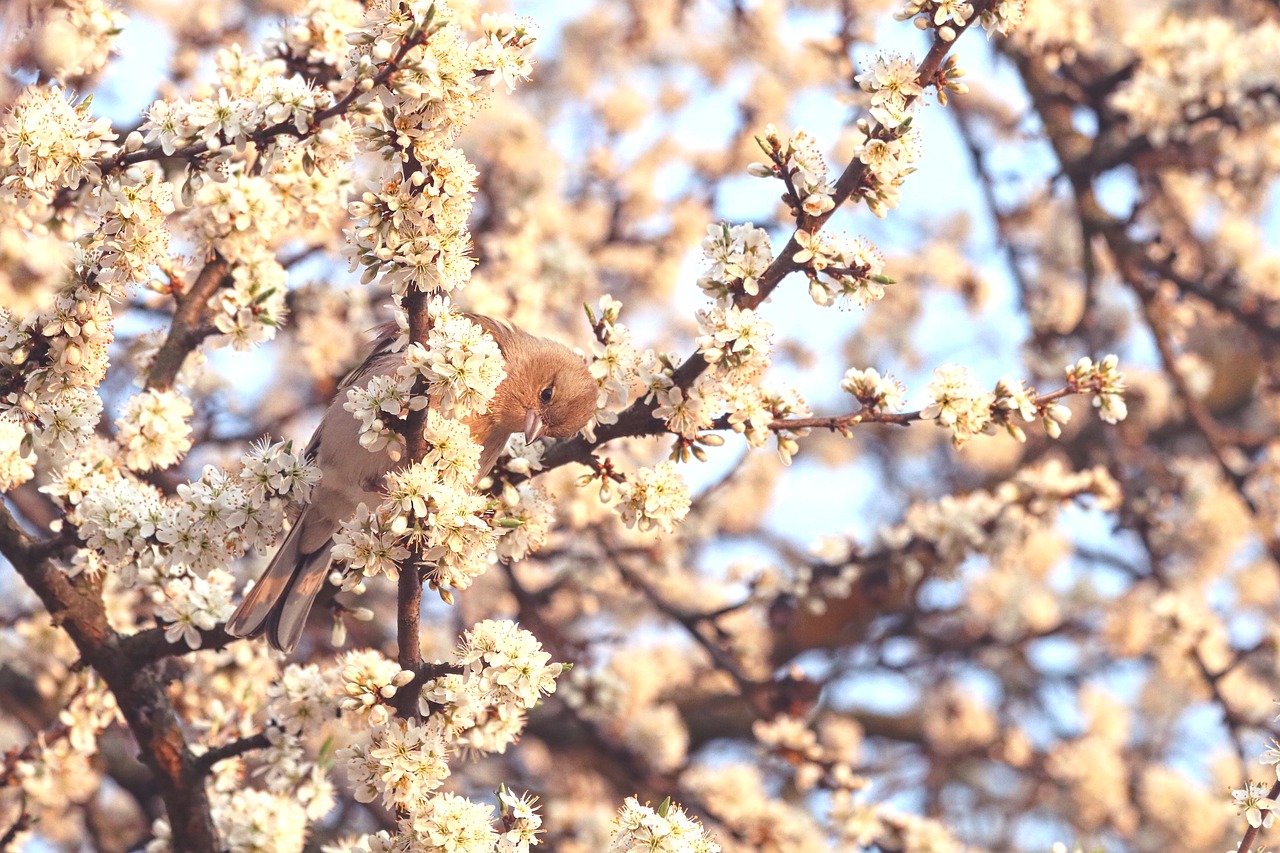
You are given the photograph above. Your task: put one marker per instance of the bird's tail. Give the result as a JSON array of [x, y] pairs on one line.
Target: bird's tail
[[279, 602]]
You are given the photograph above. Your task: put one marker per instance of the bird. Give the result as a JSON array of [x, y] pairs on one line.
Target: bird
[[548, 390]]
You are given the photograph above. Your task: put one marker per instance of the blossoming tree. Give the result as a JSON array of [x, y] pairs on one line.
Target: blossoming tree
[[1015, 599]]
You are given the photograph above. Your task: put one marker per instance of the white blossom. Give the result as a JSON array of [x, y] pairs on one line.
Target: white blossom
[[654, 497]]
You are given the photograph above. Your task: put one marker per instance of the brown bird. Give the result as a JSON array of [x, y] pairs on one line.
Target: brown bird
[[547, 391]]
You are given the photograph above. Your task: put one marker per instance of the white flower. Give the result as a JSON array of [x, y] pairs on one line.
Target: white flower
[[527, 522], [873, 390], [893, 84], [368, 680], [521, 820], [369, 542], [736, 256], [408, 760], [1105, 381], [736, 340], [153, 429], [191, 605], [685, 411], [302, 698], [273, 470], [654, 497], [958, 403], [1272, 757], [460, 362], [511, 662], [47, 142], [452, 824], [667, 829], [1252, 801], [381, 398]]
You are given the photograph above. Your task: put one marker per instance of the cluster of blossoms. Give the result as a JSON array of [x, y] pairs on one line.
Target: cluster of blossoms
[[47, 142], [382, 397], [434, 92], [840, 268], [51, 361], [317, 36], [736, 344], [837, 267], [946, 16], [60, 347], [1105, 381], [666, 829], [504, 673], [246, 103], [615, 360], [370, 543], [400, 762], [76, 37], [1195, 73], [460, 363], [959, 404], [889, 157], [253, 307], [178, 546], [527, 515], [153, 431], [58, 769], [16, 457], [967, 411], [873, 390], [801, 167], [189, 604], [413, 229], [500, 672], [503, 52], [940, 535], [654, 497], [430, 509], [949, 16], [413, 232], [736, 256], [132, 234], [736, 341], [894, 87]]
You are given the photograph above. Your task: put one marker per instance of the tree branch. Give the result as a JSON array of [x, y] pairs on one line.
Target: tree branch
[[138, 689], [187, 329]]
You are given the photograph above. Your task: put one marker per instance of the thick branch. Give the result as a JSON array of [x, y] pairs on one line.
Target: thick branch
[[188, 329], [138, 690], [409, 609]]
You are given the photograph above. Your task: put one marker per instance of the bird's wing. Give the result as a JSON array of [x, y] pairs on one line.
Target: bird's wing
[[284, 624], [250, 618]]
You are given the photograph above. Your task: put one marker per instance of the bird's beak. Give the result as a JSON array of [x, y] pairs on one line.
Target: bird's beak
[[532, 426]]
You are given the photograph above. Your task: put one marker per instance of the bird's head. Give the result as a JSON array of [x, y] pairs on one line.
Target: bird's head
[[558, 393], [548, 389]]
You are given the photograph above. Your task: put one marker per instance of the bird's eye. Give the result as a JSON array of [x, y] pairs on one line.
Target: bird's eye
[[547, 394]]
